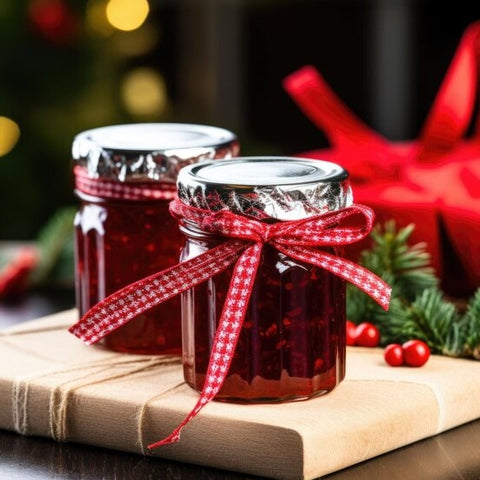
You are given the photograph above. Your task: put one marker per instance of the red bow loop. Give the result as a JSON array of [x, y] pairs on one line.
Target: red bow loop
[[319, 230], [325, 229]]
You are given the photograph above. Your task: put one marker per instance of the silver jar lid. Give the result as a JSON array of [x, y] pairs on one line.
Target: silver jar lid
[[149, 152], [284, 188]]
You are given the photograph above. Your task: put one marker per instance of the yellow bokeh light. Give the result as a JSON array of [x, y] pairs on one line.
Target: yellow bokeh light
[[9, 135], [144, 92], [127, 15]]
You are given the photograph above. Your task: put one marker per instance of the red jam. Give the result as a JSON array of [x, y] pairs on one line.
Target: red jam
[[125, 178], [117, 243], [292, 343]]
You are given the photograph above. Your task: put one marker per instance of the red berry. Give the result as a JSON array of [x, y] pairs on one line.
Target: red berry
[[393, 355], [350, 332], [367, 335], [416, 353]]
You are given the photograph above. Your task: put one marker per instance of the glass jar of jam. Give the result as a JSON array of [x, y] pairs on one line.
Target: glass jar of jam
[[292, 341], [125, 178]]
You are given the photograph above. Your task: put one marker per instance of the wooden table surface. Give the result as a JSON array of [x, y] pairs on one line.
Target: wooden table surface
[[453, 455]]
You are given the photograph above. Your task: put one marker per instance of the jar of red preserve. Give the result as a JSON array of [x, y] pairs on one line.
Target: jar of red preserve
[[292, 341], [125, 178]]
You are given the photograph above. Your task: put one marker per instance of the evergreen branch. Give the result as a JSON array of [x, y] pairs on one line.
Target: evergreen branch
[[472, 319], [432, 319], [3, 261], [392, 324], [51, 241], [406, 269], [408, 266], [418, 308]]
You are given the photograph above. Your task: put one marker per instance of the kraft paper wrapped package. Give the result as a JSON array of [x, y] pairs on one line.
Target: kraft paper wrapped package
[[433, 181], [52, 385]]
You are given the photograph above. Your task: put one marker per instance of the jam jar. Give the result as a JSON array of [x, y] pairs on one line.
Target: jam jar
[[292, 341], [125, 178]]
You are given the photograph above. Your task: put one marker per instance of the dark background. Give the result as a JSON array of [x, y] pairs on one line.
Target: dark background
[[222, 62]]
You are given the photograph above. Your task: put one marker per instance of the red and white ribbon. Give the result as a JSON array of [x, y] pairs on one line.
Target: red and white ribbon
[[115, 190], [243, 246]]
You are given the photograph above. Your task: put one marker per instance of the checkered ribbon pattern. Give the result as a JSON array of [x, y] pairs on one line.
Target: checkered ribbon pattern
[[138, 191], [244, 239]]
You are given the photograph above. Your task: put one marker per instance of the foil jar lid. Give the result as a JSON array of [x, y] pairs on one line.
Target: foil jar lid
[[145, 152], [283, 188]]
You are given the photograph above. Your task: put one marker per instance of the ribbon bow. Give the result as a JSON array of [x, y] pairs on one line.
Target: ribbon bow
[[246, 237]]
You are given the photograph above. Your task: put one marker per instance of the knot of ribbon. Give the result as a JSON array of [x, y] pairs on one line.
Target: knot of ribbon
[[244, 240]]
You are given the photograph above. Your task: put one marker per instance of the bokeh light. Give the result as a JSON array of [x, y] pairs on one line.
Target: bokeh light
[[127, 15], [144, 92], [9, 135]]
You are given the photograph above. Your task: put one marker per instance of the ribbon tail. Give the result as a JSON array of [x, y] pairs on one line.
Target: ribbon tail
[[362, 278], [226, 336], [318, 101], [136, 298]]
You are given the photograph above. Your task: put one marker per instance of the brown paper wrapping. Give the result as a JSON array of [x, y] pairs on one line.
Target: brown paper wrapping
[[52, 385]]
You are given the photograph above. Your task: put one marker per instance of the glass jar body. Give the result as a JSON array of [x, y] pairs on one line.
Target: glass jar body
[[120, 242], [292, 342]]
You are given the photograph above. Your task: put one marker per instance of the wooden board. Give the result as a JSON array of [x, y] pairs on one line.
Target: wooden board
[[52, 385]]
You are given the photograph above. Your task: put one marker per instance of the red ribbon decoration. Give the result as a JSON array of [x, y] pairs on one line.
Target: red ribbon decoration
[[426, 181], [366, 154], [246, 237], [453, 108], [115, 190]]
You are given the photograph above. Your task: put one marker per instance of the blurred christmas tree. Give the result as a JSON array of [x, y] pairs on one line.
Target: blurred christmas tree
[[68, 66]]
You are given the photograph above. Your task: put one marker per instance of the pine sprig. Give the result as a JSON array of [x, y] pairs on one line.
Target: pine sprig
[[392, 324], [431, 319], [418, 308], [407, 266], [52, 240], [472, 326]]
